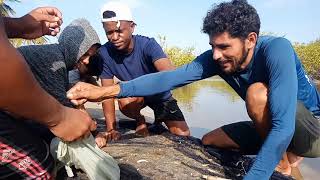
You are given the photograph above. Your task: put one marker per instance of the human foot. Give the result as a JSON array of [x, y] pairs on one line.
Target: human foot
[[294, 160], [142, 130], [284, 166]]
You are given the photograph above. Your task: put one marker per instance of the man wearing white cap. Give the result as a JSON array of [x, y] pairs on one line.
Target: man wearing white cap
[[127, 57]]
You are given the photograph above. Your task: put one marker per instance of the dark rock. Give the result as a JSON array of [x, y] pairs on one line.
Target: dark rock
[[166, 156]]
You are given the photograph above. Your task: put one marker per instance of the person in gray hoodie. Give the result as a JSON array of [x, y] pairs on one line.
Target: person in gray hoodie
[[50, 64], [24, 154]]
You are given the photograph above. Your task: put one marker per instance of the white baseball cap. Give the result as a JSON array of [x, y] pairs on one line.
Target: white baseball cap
[[115, 11]]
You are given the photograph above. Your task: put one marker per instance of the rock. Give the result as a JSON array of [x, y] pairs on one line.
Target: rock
[[166, 156]]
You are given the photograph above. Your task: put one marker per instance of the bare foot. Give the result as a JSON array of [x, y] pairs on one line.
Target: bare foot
[[294, 160], [284, 166], [142, 130]]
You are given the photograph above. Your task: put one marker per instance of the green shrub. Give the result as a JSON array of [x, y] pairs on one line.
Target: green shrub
[[179, 56], [310, 57]]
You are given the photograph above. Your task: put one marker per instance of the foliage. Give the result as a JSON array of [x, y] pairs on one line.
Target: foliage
[[179, 56], [308, 53], [310, 57], [7, 11], [20, 42]]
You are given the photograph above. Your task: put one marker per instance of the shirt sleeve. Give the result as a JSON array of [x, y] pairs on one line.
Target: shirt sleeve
[[282, 97], [202, 67], [106, 72], [153, 51]]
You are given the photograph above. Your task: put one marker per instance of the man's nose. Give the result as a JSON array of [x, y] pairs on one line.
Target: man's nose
[[115, 36], [86, 61], [217, 54]]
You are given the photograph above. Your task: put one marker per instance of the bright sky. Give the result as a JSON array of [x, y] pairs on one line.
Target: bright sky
[[181, 21]]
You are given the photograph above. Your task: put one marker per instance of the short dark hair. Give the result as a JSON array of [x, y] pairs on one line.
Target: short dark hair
[[237, 17]]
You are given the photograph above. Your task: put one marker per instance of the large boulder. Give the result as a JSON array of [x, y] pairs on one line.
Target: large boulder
[[165, 156]]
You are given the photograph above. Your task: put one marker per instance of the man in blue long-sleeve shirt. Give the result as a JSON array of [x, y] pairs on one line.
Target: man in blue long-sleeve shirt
[[265, 71]]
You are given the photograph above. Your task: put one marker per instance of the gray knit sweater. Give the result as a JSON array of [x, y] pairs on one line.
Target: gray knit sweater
[[50, 63]]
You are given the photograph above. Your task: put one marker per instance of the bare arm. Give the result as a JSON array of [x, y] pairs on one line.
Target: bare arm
[[21, 95], [17, 90], [108, 107], [40, 21], [164, 64]]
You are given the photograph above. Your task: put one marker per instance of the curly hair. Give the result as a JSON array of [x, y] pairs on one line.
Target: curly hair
[[237, 17]]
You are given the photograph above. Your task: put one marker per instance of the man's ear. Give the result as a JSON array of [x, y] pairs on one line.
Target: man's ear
[[132, 26], [251, 40]]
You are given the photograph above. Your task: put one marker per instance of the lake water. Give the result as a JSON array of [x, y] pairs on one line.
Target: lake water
[[211, 103]]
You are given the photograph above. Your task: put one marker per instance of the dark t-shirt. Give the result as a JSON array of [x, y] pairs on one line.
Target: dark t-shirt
[[138, 63]]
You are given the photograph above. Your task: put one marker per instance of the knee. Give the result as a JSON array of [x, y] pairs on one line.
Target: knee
[[219, 139], [212, 137], [130, 107], [180, 131], [256, 99], [257, 94], [206, 140], [179, 128], [133, 113], [183, 133]]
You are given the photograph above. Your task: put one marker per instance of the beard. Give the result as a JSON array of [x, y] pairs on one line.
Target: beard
[[242, 60], [236, 62]]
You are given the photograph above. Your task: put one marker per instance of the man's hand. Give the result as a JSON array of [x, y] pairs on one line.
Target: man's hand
[[83, 92], [40, 21], [103, 137], [112, 135], [73, 125]]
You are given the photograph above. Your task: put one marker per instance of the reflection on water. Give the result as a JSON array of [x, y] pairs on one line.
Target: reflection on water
[[186, 94], [211, 103]]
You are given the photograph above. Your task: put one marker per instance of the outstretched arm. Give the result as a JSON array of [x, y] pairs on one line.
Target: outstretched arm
[[109, 114], [202, 67]]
